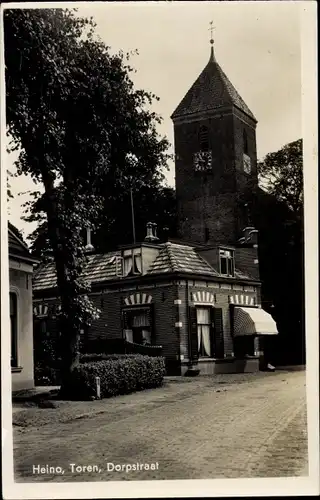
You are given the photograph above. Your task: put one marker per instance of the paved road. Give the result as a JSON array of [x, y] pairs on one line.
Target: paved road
[[192, 430]]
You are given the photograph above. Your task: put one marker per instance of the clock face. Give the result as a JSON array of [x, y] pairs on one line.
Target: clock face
[[246, 164], [202, 161]]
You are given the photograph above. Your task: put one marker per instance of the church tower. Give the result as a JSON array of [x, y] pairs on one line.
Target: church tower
[[215, 159]]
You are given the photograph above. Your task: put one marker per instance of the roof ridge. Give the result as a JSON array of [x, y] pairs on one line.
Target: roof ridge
[[228, 84], [172, 258]]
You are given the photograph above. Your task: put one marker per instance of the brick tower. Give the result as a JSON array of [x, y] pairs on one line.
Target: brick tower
[[215, 159]]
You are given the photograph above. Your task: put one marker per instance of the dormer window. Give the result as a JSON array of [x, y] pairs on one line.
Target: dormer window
[[226, 258], [132, 264]]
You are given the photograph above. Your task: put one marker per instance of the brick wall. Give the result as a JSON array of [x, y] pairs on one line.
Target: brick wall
[[208, 203], [222, 293], [171, 303], [204, 200]]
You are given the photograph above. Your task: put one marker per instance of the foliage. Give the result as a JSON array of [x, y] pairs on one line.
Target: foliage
[[46, 375], [278, 217], [119, 374], [81, 128], [282, 172], [156, 204], [9, 193]]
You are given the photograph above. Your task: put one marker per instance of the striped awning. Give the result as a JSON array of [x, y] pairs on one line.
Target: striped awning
[[253, 321]]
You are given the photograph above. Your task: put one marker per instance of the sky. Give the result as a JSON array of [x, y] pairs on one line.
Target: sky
[[257, 44]]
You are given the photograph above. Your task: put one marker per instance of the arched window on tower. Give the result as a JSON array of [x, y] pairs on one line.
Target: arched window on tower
[[204, 138], [245, 142]]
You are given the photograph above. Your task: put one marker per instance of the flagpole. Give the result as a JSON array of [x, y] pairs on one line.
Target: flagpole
[[132, 216]]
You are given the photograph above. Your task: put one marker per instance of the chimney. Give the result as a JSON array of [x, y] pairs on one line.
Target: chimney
[[151, 233], [89, 247], [165, 231]]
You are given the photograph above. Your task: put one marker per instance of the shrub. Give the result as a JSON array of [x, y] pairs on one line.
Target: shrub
[[119, 374], [46, 375]]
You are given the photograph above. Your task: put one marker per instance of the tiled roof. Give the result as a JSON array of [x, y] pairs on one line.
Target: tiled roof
[[174, 258], [18, 249], [99, 267], [212, 90]]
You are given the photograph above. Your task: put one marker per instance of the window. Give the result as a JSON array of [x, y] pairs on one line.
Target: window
[[138, 325], [132, 262], [226, 262], [204, 138], [14, 328], [246, 164], [206, 234], [244, 346], [245, 143], [204, 331]]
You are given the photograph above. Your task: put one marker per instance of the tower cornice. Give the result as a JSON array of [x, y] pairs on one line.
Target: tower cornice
[[215, 113]]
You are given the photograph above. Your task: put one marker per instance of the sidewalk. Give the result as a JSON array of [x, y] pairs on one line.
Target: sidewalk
[[27, 413]]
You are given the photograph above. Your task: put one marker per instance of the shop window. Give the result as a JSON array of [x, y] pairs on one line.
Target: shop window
[[14, 328], [204, 331], [226, 258], [244, 346], [138, 325]]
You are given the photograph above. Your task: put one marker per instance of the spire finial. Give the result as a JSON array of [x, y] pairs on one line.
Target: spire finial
[[212, 58], [211, 32]]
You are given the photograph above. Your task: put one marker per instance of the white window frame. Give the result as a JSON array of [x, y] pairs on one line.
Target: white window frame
[[130, 255], [200, 325], [228, 258]]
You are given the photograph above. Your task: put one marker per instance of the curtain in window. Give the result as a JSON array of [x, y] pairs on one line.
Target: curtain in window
[[203, 316], [204, 344], [128, 335], [203, 328], [140, 320], [127, 263], [146, 336], [206, 340], [137, 261]]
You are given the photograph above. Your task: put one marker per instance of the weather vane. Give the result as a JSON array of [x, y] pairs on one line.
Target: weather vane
[[211, 32]]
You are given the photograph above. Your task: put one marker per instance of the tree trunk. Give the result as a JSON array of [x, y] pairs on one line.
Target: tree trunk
[[69, 333], [69, 360]]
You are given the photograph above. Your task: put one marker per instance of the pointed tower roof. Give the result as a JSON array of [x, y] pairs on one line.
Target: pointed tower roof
[[212, 90]]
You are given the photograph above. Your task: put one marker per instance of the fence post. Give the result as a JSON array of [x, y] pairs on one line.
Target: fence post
[[98, 392]]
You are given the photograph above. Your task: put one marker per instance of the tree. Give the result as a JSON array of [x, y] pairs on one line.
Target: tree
[[74, 113], [156, 204], [282, 173], [279, 218]]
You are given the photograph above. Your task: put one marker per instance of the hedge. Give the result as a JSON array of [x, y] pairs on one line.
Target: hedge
[[119, 374]]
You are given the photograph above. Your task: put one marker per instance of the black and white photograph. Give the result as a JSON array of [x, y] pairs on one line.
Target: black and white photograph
[[159, 271]]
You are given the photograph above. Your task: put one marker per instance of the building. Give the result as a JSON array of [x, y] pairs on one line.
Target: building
[[198, 296], [21, 315]]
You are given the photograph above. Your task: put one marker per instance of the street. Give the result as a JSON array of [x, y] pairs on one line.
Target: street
[[199, 429]]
